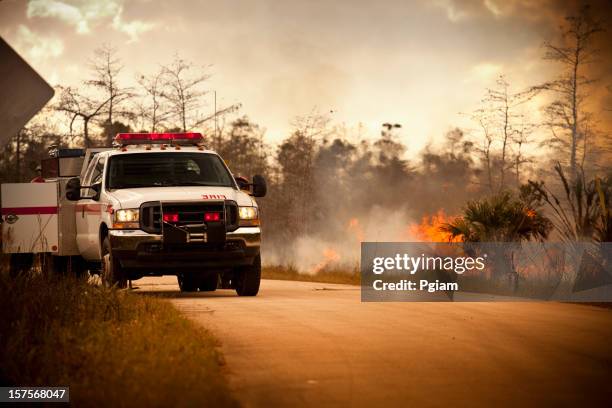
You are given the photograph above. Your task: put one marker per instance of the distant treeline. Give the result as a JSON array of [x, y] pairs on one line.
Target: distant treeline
[[322, 176]]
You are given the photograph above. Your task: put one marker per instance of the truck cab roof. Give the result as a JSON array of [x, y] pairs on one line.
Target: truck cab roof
[[154, 148]]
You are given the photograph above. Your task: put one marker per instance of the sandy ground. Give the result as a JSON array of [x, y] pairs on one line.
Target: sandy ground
[[314, 344]]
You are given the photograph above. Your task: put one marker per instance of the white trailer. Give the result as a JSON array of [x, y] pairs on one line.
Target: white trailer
[[37, 218]]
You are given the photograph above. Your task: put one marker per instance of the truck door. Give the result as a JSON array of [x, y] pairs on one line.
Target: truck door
[[29, 217], [89, 213]]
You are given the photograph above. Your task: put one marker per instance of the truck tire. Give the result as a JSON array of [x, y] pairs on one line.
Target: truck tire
[[209, 282], [187, 282], [112, 274], [248, 278]]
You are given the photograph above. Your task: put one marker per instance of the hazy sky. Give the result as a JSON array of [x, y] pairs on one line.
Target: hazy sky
[[418, 63]]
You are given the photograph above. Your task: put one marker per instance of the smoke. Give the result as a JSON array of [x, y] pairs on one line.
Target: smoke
[[349, 193], [339, 248], [329, 192]]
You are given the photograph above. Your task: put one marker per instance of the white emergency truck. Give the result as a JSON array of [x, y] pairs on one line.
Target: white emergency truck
[[156, 204]]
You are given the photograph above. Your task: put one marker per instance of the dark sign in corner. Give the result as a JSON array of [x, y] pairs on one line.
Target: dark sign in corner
[[23, 92]]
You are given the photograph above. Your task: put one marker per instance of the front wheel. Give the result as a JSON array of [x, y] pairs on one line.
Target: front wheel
[[187, 282], [209, 282], [112, 272], [248, 278]]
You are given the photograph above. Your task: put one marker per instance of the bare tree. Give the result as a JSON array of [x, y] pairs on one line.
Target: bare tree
[[486, 150], [521, 138], [502, 125], [106, 68], [219, 113], [183, 91], [502, 103], [567, 118], [92, 106], [78, 106], [153, 111], [140, 119]]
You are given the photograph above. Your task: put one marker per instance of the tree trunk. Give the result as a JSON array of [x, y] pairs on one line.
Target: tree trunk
[[86, 132], [502, 174], [574, 114], [489, 172], [18, 152]]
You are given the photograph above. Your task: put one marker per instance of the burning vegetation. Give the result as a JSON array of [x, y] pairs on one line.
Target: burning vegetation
[[331, 188], [431, 229]]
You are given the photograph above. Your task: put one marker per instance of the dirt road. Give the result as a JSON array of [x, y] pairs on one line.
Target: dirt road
[[313, 344]]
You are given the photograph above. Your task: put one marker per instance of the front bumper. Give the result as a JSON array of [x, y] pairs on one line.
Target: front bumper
[[139, 249]]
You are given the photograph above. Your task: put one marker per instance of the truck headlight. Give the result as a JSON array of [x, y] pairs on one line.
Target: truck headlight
[[248, 216], [126, 219]]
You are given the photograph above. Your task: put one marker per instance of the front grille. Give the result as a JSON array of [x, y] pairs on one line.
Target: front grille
[[150, 217], [189, 213], [231, 216]]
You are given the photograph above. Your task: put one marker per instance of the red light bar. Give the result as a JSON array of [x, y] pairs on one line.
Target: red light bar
[[212, 216], [127, 138], [171, 217]]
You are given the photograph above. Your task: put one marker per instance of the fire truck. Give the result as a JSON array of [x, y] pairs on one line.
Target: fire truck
[[155, 204]]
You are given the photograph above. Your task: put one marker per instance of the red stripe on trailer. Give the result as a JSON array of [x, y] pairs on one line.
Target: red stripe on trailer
[[29, 210]]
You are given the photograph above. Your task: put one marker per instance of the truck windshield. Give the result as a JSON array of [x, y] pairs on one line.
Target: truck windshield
[[166, 170]]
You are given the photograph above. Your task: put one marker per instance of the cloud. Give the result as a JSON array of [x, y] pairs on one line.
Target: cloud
[[132, 28], [78, 13], [38, 49], [461, 10], [84, 14], [493, 7], [484, 71], [454, 12]]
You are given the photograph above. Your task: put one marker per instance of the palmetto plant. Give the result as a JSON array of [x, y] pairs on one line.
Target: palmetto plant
[[502, 217], [583, 212]]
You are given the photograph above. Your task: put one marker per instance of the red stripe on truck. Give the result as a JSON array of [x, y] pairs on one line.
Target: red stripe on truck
[[29, 210], [89, 208]]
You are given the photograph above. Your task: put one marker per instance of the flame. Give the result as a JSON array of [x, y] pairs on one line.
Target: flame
[[355, 228], [530, 213], [429, 228], [329, 256]]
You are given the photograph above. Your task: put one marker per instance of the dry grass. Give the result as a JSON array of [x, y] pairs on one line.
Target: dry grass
[[112, 348], [346, 276]]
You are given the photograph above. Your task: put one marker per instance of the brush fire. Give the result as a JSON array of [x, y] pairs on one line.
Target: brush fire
[[345, 253], [430, 228], [330, 256]]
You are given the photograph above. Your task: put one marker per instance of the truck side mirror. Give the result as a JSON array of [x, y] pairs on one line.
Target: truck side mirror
[[73, 189], [259, 186], [96, 187]]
